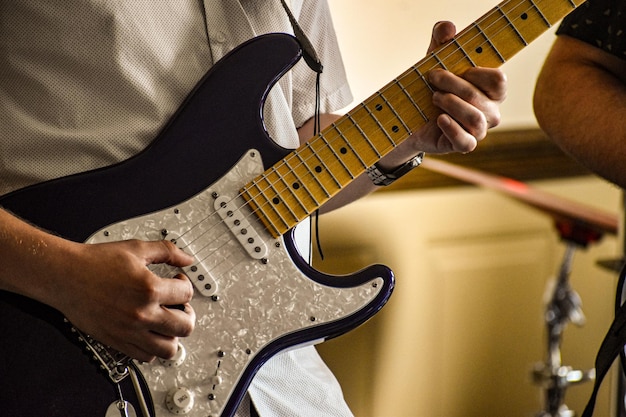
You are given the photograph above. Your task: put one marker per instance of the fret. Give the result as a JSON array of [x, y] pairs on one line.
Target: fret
[[380, 126], [423, 115], [417, 89], [273, 199], [322, 156], [364, 136], [479, 49], [453, 57], [354, 150], [320, 168], [347, 142], [284, 178], [302, 184], [465, 54], [551, 13], [341, 161], [296, 163], [423, 78], [543, 17], [531, 18], [394, 113], [510, 23], [261, 208], [279, 200], [439, 61], [317, 169]]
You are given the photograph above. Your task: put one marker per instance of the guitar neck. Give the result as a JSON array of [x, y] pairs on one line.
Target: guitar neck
[[304, 180]]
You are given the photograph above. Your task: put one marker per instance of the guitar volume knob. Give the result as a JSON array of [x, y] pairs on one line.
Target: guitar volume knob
[[179, 401], [178, 359]]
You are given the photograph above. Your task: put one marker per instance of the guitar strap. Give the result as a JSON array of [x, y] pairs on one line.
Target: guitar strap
[[310, 56], [313, 61], [612, 346]]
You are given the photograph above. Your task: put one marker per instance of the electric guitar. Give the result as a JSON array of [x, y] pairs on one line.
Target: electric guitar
[[215, 183]]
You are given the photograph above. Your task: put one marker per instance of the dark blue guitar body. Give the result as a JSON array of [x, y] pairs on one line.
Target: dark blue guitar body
[[44, 369]]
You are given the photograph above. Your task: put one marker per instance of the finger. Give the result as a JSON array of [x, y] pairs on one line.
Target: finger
[[175, 291], [164, 251], [174, 322], [159, 337], [164, 347], [135, 352], [162, 339], [445, 81], [491, 81], [175, 317], [468, 116], [457, 138], [442, 33], [136, 342], [149, 345]]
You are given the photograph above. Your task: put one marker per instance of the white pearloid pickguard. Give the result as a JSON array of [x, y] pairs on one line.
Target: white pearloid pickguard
[[242, 303]]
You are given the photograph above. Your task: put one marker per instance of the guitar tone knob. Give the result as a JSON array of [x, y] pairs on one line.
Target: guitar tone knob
[[179, 401], [178, 359]]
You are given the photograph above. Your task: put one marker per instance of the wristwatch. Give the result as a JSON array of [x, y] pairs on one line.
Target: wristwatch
[[381, 177]]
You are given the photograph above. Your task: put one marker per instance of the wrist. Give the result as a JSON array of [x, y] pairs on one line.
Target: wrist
[[382, 175]]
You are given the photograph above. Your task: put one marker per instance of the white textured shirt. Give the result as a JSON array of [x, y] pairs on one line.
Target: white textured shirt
[[85, 84]]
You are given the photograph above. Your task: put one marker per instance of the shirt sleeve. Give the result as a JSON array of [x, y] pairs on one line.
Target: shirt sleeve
[[601, 23], [316, 21]]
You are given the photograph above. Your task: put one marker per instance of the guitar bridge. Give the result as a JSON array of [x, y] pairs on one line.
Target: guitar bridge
[[113, 363]]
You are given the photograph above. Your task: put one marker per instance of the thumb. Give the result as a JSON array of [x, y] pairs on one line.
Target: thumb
[[442, 33]]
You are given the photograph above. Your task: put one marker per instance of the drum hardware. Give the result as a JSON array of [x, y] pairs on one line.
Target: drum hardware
[[578, 225], [563, 307]]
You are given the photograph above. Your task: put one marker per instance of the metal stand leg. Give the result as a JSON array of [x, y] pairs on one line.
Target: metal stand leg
[[554, 377]]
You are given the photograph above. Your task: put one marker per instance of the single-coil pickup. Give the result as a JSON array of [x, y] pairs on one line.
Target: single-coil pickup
[[240, 227], [197, 273]]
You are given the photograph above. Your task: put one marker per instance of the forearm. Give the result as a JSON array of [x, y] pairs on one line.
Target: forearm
[[26, 258], [362, 185], [103, 289], [580, 102]]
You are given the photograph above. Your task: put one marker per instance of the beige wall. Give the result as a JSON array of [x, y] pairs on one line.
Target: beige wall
[[381, 39], [464, 327]]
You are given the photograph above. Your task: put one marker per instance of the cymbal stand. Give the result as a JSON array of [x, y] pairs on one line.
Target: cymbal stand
[[563, 307], [578, 224]]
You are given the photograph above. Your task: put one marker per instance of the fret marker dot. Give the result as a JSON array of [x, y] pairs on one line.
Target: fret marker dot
[[395, 129], [379, 107], [343, 151], [479, 49], [275, 200], [318, 169], [295, 186], [524, 16]]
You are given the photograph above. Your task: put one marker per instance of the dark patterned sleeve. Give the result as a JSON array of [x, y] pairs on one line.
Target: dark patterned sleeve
[[601, 23]]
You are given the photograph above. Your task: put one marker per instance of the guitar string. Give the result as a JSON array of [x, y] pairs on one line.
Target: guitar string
[[380, 93], [341, 137], [334, 126]]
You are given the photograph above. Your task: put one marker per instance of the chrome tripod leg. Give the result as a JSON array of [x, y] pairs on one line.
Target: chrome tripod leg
[[563, 307]]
